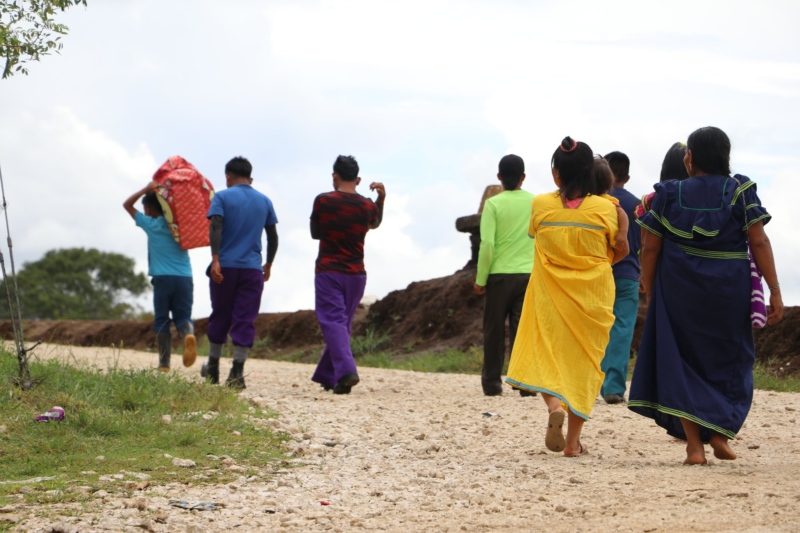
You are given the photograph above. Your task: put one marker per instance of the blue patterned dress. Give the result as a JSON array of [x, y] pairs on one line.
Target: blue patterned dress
[[696, 357]]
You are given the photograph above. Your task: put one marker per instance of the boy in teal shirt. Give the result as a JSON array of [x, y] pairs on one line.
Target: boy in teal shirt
[[173, 288], [505, 262]]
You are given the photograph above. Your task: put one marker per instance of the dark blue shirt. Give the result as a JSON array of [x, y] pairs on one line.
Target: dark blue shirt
[[629, 267]]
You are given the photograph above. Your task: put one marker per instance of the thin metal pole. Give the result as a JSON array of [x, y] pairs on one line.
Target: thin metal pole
[[13, 303]]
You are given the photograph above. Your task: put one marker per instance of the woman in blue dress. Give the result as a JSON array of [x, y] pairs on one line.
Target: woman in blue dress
[[694, 371]]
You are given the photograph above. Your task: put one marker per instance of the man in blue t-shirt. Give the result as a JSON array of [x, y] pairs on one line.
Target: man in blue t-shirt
[[626, 279], [238, 215], [168, 264]]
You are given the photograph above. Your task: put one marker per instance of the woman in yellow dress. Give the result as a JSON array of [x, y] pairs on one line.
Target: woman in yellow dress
[[568, 310]]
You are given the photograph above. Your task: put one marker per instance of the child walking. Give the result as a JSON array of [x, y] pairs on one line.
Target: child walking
[[568, 304], [169, 266], [340, 220], [239, 215], [626, 286]]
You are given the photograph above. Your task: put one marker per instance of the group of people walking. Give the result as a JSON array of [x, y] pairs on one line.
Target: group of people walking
[[566, 269], [239, 215], [571, 321]]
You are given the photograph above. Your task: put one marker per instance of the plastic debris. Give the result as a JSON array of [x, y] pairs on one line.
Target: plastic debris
[[55, 414], [196, 506], [324, 502]]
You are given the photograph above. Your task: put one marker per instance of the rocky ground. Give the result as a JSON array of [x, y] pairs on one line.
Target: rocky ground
[[428, 452]]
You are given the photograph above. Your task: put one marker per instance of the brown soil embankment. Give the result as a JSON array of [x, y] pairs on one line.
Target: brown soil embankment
[[436, 314]]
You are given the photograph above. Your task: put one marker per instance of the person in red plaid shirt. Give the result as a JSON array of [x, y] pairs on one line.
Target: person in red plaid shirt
[[340, 220]]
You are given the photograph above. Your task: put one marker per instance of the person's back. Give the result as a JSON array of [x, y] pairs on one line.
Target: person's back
[[693, 373], [247, 212], [505, 260], [628, 267], [511, 246], [164, 256], [568, 304], [238, 214], [343, 219], [626, 287], [340, 220], [171, 271]]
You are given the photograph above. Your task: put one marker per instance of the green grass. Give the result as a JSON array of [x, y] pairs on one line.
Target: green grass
[[765, 377], [447, 362], [369, 343], [117, 413]]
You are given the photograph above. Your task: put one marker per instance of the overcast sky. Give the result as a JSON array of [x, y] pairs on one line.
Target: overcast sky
[[427, 95]]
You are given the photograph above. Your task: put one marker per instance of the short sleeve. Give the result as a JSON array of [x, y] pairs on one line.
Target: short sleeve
[[217, 208], [272, 218], [754, 211], [611, 199], [648, 220], [145, 222], [315, 210]]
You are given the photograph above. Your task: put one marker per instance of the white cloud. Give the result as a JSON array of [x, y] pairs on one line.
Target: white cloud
[[428, 95]]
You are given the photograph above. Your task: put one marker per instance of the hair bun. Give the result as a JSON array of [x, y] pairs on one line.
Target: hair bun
[[568, 144]]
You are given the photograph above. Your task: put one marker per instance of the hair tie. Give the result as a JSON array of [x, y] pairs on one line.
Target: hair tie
[[574, 145]]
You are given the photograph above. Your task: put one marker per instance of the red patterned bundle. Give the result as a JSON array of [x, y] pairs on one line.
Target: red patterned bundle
[[185, 196]]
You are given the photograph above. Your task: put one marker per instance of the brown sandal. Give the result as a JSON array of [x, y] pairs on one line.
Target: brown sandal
[[581, 451], [554, 438]]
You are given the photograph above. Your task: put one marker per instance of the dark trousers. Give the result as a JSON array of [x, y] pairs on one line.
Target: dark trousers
[[172, 294], [504, 296]]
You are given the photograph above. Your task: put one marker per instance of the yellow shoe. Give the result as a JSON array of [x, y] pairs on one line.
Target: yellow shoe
[[189, 350]]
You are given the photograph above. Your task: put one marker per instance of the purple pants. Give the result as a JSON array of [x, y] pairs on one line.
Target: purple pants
[[234, 306], [337, 298]]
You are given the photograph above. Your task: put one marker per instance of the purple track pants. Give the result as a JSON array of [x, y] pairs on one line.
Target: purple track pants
[[337, 298], [234, 306]]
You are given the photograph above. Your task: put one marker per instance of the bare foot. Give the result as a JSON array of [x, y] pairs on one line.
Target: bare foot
[[721, 448], [695, 456], [575, 452], [695, 460]]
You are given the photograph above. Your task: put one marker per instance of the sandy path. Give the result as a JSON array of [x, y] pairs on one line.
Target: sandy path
[[416, 453]]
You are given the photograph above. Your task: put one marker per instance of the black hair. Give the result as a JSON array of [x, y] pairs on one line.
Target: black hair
[[603, 176], [673, 167], [711, 150], [575, 162], [620, 165], [346, 167], [511, 169], [239, 167], [150, 200]]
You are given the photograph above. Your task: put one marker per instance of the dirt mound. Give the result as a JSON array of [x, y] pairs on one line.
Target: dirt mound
[[437, 314], [127, 334]]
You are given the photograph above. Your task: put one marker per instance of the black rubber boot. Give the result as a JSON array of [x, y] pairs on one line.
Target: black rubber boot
[[236, 376], [164, 341], [210, 370], [346, 383]]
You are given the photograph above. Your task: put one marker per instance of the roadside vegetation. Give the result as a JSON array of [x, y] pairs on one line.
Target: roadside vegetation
[[371, 350], [123, 430]]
